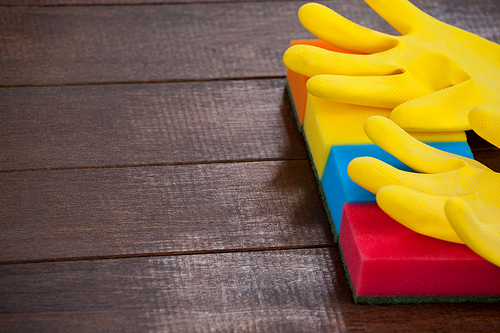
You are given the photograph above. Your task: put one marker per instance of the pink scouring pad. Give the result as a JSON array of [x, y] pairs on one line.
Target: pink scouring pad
[[389, 263]]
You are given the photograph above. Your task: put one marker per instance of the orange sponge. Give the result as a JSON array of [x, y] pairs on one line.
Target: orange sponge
[[297, 82]]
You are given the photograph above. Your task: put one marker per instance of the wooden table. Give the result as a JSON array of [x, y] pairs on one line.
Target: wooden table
[[153, 177]]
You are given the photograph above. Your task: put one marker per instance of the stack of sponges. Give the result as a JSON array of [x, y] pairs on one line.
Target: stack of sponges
[[385, 262]]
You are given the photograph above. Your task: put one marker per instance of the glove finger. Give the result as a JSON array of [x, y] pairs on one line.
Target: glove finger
[[442, 110], [311, 61], [333, 28], [401, 14], [415, 154], [485, 121], [373, 174], [376, 91], [482, 238], [421, 212]]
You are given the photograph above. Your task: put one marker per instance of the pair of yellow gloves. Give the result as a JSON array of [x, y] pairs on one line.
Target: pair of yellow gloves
[[432, 77]]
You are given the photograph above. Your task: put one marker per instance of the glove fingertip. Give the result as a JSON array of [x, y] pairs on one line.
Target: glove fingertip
[[482, 238], [310, 8], [375, 122], [481, 112], [358, 167], [292, 58], [319, 86], [459, 214], [379, 128], [387, 195], [485, 121]]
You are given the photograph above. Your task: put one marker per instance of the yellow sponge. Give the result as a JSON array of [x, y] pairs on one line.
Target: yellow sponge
[[328, 123]]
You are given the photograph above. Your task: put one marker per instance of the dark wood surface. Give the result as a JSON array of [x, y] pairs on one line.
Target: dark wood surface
[[153, 178], [159, 210], [137, 124]]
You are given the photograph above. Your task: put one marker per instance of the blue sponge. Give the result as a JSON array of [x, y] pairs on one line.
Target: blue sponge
[[338, 186]]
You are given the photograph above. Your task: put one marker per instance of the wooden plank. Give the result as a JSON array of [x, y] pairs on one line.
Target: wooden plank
[[144, 124], [75, 126], [490, 158], [57, 45], [484, 151], [61, 214], [111, 2], [478, 143], [32, 201], [265, 291], [61, 45], [302, 290]]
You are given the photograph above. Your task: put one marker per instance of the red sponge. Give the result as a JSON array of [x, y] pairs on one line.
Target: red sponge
[[384, 258]]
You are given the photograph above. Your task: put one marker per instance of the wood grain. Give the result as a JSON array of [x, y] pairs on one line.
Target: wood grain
[[74, 45], [149, 210], [213, 221], [265, 291], [490, 158], [277, 291], [484, 151], [145, 124], [112, 2], [59, 45], [75, 126]]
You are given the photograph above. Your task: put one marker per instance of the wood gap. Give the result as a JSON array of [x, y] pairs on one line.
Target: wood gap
[[159, 164], [145, 3], [164, 254], [249, 78]]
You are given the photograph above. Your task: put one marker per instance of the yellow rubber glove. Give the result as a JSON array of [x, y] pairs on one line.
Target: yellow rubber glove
[[457, 199], [431, 76]]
